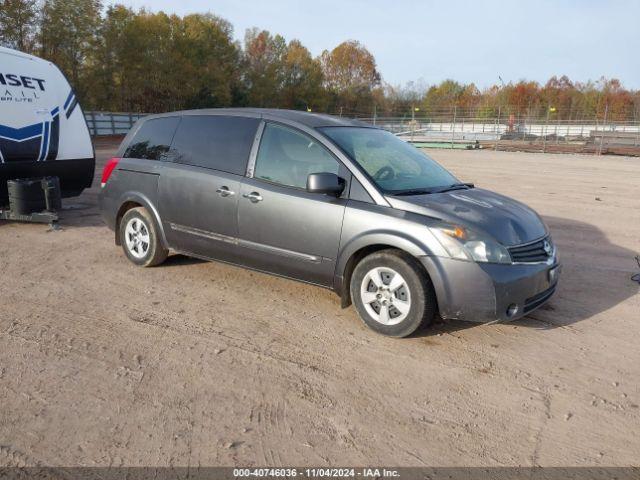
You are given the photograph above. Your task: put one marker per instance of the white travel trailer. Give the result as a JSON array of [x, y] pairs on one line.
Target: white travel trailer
[[43, 132]]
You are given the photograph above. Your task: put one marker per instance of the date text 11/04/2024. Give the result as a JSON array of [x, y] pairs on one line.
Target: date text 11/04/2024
[[315, 473]]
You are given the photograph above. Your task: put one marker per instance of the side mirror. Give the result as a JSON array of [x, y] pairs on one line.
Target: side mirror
[[327, 183]]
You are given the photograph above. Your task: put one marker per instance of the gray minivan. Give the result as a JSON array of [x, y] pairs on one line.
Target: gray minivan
[[329, 201]]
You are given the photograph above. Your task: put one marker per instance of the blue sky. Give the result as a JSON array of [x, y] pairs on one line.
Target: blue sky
[[469, 41]]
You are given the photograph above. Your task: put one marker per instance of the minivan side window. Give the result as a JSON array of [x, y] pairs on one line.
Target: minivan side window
[[216, 142], [287, 157], [152, 141]]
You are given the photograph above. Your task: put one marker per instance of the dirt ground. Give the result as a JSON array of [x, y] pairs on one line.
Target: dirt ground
[[196, 363]]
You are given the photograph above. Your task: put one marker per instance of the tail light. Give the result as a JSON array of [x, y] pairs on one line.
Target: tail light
[[108, 169]]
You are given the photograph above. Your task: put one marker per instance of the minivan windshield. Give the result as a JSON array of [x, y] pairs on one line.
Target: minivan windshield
[[394, 165]]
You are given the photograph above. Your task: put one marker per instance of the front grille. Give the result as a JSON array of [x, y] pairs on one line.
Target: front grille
[[537, 300], [532, 252]]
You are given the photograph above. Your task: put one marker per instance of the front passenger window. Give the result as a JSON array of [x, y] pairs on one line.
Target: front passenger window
[[288, 157]]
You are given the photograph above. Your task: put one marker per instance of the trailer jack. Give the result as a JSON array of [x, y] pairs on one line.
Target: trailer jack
[[35, 200]]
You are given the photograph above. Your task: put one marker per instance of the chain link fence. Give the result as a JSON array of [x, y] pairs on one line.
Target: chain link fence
[[577, 136], [510, 133]]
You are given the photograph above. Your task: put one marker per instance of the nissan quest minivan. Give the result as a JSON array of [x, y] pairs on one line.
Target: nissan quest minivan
[[329, 201]]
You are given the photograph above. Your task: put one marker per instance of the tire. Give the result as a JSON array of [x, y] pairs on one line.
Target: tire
[[408, 300], [140, 240]]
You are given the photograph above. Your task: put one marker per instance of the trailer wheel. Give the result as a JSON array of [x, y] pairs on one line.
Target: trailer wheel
[[139, 238]]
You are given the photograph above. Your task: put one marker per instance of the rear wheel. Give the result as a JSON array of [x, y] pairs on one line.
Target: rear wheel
[[139, 238], [392, 294]]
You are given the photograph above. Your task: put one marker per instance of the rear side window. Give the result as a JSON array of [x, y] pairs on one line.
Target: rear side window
[[216, 142], [153, 140]]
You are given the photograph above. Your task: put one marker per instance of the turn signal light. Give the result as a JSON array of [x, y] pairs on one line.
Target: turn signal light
[[456, 232]]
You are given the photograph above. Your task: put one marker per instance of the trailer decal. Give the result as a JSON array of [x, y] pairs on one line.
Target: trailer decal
[[40, 140], [68, 100], [21, 134], [70, 104]]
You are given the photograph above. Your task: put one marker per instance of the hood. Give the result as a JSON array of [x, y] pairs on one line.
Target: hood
[[506, 220]]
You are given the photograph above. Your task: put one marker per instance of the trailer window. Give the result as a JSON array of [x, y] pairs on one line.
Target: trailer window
[[216, 142], [153, 140]]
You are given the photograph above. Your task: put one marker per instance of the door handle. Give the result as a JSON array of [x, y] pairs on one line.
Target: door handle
[[225, 192], [253, 196]]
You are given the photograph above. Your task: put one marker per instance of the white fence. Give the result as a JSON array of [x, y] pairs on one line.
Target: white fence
[[110, 123], [495, 132]]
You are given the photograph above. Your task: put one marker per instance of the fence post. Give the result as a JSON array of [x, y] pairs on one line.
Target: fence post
[[453, 125], [544, 132], [606, 111], [93, 121], [498, 129]]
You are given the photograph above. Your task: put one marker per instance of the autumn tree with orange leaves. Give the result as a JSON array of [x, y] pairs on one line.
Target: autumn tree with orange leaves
[[121, 59]]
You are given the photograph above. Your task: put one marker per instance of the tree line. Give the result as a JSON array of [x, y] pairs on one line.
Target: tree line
[[121, 59]]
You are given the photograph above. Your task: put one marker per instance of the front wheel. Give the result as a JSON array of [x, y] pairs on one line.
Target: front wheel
[[392, 294], [139, 238]]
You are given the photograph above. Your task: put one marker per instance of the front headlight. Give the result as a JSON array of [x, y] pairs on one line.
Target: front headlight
[[465, 244]]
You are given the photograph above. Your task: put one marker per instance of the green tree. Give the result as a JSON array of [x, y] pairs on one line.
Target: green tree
[[301, 79], [18, 22], [107, 72], [443, 97], [151, 71], [210, 60], [68, 37]]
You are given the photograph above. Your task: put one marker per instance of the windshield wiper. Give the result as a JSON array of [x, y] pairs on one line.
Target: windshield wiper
[[426, 191], [417, 191], [454, 186]]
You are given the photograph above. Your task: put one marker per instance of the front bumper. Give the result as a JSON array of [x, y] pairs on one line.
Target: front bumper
[[483, 292]]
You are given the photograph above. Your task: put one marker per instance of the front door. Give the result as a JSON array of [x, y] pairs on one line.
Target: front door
[[281, 227]]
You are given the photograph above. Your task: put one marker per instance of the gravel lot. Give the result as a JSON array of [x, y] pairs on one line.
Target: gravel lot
[[196, 363]]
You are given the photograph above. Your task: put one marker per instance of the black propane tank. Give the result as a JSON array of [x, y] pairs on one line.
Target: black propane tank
[[26, 196]]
